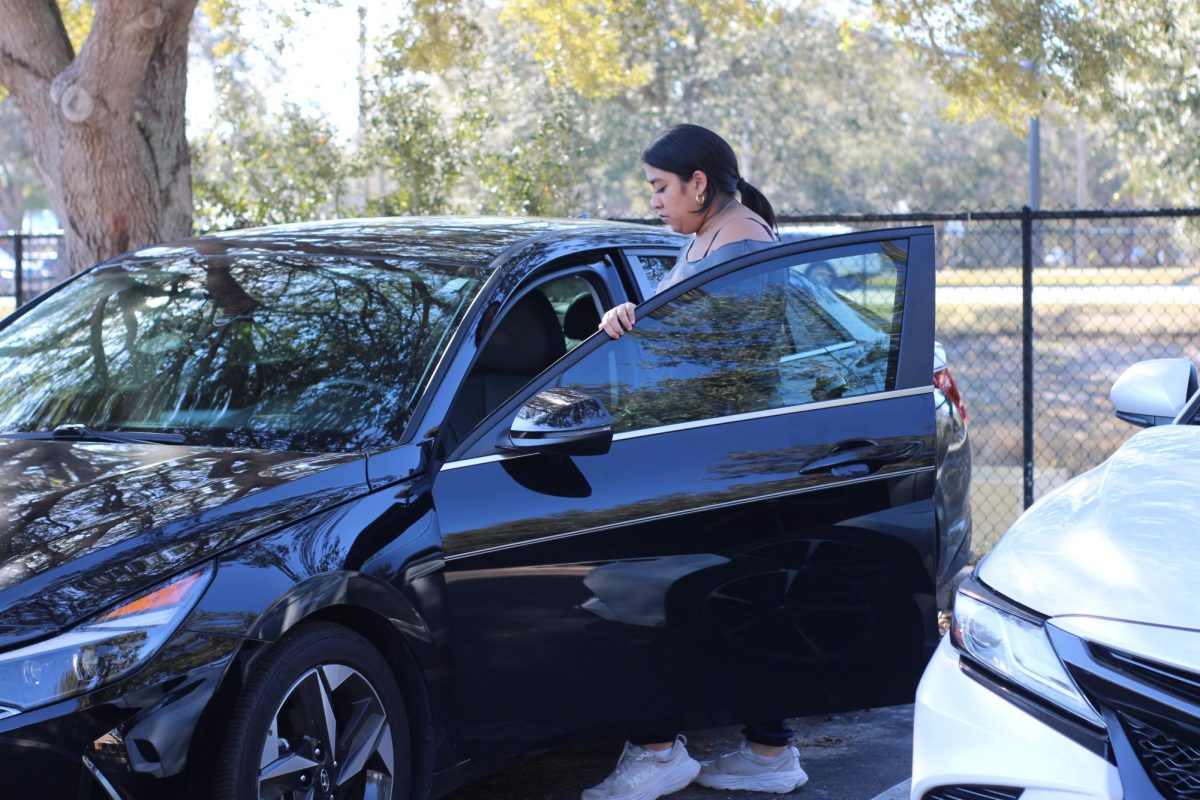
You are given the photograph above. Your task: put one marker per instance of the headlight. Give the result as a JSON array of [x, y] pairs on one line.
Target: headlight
[[1018, 649], [102, 650]]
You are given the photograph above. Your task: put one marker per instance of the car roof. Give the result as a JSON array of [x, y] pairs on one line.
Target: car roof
[[461, 241]]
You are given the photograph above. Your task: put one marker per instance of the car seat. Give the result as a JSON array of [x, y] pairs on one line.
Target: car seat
[[582, 318], [526, 341]]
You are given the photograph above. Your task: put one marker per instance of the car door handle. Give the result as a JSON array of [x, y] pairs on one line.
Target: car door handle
[[860, 457]]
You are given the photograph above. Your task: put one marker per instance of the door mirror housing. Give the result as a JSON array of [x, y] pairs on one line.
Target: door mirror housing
[[1154, 392], [561, 421]]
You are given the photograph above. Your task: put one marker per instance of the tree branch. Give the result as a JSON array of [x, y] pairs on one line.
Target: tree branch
[[112, 64], [34, 46]]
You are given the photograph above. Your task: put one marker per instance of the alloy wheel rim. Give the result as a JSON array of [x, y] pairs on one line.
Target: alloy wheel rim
[[329, 738]]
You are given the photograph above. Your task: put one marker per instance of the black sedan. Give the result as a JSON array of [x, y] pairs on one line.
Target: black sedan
[[364, 509]]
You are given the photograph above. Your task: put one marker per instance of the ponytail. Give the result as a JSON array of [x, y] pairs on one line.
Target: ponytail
[[757, 202]]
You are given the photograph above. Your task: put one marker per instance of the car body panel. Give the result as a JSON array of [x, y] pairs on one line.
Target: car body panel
[[735, 520], [1110, 543], [1176, 647], [952, 496], [967, 735], [86, 524]]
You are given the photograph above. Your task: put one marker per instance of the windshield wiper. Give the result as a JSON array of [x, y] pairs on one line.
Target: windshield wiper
[[82, 433]]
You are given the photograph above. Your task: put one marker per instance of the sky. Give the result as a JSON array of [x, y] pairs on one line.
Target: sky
[[319, 66]]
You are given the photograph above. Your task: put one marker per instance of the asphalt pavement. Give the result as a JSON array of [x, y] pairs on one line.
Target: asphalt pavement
[[860, 755]]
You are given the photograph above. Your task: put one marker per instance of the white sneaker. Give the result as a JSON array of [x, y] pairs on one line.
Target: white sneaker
[[746, 769], [643, 774]]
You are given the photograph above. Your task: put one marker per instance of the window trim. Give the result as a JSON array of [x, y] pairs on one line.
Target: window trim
[[712, 422]]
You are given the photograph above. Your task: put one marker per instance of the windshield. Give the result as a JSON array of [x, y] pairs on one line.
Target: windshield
[[293, 352]]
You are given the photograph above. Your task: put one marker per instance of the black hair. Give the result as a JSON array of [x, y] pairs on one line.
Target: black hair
[[683, 149]]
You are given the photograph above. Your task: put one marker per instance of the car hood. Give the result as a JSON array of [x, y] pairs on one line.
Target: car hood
[[1118, 541], [84, 525]]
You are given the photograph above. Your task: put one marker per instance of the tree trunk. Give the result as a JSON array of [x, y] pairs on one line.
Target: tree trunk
[[106, 126]]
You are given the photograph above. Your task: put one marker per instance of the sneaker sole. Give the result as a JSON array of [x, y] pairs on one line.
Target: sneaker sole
[[779, 783], [680, 777]]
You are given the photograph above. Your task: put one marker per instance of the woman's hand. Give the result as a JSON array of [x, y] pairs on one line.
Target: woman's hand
[[618, 319]]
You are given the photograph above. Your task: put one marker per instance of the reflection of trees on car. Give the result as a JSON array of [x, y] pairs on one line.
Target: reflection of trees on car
[[213, 344], [772, 341], [706, 355]]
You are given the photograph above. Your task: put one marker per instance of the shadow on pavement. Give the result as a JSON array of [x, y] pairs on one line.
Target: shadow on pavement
[[852, 756]]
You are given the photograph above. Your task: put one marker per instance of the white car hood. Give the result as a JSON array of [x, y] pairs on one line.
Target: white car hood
[[1121, 541]]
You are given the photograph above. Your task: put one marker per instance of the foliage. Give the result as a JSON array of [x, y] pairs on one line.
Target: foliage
[[538, 174], [255, 166], [434, 37], [598, 49], [236, 24], [271, 168], [77, 17], [1023, 57], [20, 187], [1129, 62], [825, 117], [1157, 112], [415, 146], [483, 132]]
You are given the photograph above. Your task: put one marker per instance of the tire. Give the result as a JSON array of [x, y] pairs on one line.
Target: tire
[[319, 682]]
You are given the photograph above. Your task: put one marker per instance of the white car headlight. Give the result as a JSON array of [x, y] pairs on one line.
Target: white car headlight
[[101, 650], [1019, 649]]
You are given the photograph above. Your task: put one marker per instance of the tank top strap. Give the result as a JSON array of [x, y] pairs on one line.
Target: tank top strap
[[774, 236], [711, 242]]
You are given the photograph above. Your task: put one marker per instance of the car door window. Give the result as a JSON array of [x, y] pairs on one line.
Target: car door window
[[840, 337], [538, 328], [577, 305], [762, 338], [650, 269]]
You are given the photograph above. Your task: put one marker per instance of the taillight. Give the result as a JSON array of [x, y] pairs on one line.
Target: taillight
[[944, 381]]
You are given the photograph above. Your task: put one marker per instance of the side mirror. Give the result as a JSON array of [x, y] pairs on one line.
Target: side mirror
[[1154, 392], [561, 421]]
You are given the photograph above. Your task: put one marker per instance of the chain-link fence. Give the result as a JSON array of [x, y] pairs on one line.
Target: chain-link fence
[[1039, 312]]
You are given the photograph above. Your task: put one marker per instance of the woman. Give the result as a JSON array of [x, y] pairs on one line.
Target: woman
[[695, 185]]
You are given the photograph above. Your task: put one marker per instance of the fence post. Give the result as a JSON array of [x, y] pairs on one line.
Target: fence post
[[1027, 348], [18, 267]]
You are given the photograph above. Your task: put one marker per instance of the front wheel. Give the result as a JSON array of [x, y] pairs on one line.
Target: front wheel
[[320, 718]]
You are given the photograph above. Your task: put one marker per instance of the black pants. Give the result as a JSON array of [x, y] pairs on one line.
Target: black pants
[[771, 733]]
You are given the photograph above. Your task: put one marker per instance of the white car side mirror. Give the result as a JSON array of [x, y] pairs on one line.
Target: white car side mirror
[[1154, 392]]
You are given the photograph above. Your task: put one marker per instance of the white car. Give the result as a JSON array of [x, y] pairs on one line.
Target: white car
[[1072, 669]]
